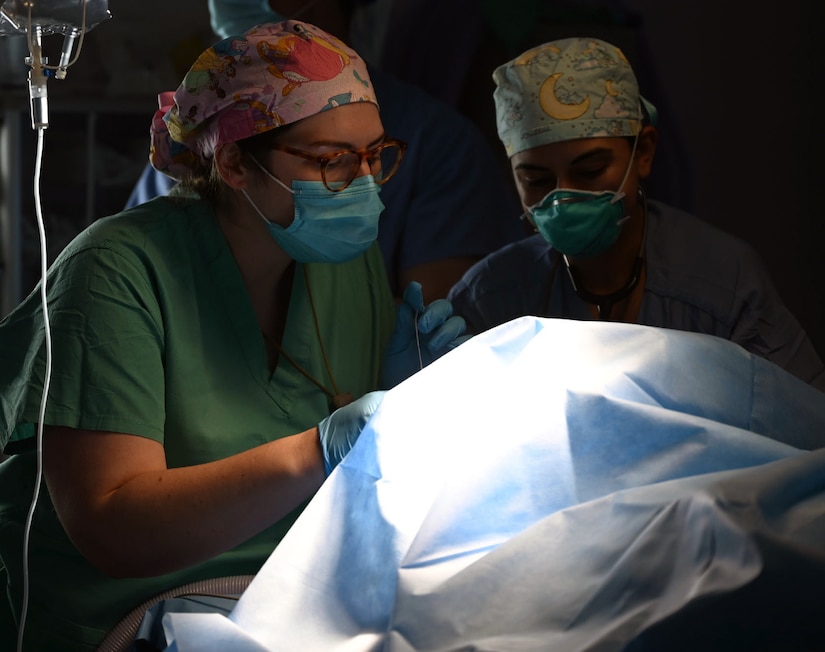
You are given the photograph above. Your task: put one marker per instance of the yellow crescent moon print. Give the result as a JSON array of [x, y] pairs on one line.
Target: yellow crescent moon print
[[555, 109], [608, 87]]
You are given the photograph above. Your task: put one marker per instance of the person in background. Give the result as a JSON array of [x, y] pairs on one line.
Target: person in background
[[449, 205], [216, 353], [581, 142]]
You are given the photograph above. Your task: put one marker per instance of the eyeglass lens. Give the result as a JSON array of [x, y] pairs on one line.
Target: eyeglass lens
[[343, 168]]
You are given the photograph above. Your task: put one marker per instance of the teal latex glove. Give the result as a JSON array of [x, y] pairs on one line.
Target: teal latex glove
[[439, 331], [341, 429]]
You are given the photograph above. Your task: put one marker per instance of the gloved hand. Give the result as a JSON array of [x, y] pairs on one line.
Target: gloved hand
[[439, 331], [340, 430]]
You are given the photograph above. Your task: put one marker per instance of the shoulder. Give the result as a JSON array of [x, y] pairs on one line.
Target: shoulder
[[680, 243], [701, 278], [675, 224], [155, 226], [163, 242]]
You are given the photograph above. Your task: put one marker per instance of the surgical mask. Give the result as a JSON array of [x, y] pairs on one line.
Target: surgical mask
[[582, 223], [328, 227]]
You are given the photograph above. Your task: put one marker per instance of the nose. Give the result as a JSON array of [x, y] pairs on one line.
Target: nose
[[364, 167]]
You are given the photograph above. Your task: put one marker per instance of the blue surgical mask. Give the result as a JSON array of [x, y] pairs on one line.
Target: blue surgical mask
[[328, 227], [582, 223]]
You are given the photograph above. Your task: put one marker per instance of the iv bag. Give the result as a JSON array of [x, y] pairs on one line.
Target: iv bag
[[52, 16]]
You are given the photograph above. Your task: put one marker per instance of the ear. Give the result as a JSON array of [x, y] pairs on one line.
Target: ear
[[229, 163], [646, 150]]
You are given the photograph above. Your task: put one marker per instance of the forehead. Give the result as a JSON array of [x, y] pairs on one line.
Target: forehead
[[569, 152], [357, 124]]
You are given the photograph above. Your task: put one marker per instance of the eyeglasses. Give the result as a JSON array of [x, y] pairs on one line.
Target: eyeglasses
[[338, 169]]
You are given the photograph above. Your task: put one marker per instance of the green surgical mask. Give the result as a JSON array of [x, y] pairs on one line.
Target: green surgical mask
[[582, 223]]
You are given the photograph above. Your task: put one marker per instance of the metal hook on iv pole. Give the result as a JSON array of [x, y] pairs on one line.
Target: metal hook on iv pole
[[38, 18], [38, 94]]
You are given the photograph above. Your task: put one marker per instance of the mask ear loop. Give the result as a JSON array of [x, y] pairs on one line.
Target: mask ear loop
[[255, 206], [620, 192], [639, 192], [271, 176], [604, 303]]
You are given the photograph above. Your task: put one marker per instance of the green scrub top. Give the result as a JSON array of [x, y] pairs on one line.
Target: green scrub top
[[153, 334]]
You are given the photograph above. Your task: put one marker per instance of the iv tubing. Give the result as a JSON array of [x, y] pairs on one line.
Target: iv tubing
[[46, 381]]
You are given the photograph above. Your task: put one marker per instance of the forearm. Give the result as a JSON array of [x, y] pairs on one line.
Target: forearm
[[161, 520]]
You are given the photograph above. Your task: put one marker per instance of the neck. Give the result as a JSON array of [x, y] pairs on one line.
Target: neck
[[609, 272], [261, 261], [613, 284]]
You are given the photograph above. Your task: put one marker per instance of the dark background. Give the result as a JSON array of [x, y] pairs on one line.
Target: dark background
[[737, 85]]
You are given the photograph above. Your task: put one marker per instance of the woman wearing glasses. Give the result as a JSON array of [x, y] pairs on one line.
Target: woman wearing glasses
[[203, 341]]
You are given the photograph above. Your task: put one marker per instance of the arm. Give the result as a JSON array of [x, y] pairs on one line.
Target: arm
[[129, 515], [766, 327]]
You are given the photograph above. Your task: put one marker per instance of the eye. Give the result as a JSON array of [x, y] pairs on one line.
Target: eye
[[374, 159], [337, 162], [591, 173], [375, 154], [529, 179]]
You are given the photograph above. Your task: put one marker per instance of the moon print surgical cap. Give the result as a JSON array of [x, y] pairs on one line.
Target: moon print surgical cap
[[564, 90], [273, 75]]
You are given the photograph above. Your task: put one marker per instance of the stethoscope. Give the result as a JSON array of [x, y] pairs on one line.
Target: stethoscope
[[604, 302]]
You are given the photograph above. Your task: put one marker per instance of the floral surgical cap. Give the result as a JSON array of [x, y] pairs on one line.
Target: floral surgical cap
[[272, 75], [564, 90]]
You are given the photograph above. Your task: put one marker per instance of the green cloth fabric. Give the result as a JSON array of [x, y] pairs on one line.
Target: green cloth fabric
[[153, 334], [8, 627]]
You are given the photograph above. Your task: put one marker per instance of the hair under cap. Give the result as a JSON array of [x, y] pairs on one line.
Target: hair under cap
[[272, 75], [563, 90]]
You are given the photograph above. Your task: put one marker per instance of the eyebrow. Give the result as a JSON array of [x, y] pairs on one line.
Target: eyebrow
[[343, 144], [582, 158], [599, 151]]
